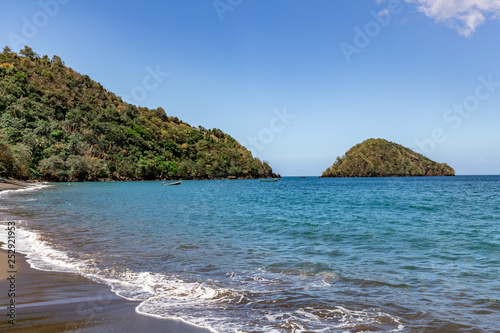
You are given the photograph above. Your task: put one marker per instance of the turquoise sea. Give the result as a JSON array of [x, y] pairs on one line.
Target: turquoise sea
[[298, 255]]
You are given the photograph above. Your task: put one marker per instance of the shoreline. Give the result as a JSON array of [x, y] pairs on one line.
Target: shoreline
[[9, 185], [62, 302], [49, 301]]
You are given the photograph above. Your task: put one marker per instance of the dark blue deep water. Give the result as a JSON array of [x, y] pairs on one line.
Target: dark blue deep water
[[298, 255]]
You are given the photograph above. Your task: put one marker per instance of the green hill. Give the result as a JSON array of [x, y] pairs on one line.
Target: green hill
[[59, 125], [382, 158]]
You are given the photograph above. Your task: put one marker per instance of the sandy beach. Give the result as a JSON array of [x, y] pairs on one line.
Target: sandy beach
[[64, 302], [13, 185]]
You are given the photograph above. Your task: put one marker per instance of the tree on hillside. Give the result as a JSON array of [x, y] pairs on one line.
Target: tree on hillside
[[56, 60], [29, 53]]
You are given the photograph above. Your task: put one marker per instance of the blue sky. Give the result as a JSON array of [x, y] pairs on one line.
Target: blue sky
[[298, 82]]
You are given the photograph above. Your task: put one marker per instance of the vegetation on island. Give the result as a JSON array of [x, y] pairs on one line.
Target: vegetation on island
[[382, 158], [59, 125]]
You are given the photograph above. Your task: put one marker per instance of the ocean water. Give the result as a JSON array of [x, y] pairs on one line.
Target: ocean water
[[298, 255]]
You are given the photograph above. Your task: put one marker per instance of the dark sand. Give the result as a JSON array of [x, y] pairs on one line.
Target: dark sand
[[13, 185], [64, 302]]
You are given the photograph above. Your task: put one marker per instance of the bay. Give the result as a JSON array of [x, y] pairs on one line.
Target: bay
[[298, 255]]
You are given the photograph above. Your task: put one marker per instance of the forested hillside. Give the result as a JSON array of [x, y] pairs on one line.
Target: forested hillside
[[382, 158], [59, 125]]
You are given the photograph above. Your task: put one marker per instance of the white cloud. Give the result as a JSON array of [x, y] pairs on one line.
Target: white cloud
[[463, 15]]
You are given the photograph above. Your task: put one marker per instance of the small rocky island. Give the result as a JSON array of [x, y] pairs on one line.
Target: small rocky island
[[382, 158]]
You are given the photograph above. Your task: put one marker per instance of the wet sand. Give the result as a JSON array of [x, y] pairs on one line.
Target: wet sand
[[13, 185], [62, 302], [65, 302]]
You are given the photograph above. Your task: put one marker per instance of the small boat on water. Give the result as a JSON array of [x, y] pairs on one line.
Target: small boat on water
[[175, 183], [269, 180]]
